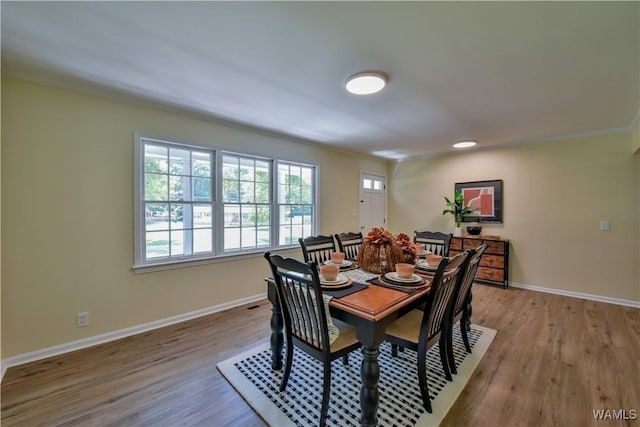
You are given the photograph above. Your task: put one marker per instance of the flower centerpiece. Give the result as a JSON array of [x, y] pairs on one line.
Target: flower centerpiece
[[380, 252], [409, 249], [457, 208]]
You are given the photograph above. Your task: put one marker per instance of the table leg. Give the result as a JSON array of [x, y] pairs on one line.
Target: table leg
[[277, 336], [370, 372]]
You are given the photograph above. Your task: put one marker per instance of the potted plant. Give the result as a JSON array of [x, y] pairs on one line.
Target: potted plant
[[458, 210]]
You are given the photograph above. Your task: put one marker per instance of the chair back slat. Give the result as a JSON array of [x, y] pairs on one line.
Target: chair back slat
[[300, 296], [440, 297], [467, 279], [436, 242], [317, 248], [349, 243]]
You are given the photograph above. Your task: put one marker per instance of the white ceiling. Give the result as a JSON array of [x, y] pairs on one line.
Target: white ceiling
[[497, 72]]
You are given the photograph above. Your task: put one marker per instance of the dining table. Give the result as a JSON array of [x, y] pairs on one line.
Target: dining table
[[369, 309]]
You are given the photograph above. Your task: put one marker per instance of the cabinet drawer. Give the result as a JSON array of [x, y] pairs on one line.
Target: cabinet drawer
[[456, 244], [487, 273], [471, 243], [494, 247], [495, 261]]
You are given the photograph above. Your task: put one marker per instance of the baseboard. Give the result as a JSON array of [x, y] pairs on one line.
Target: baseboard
[[591, 297], [122, 333]]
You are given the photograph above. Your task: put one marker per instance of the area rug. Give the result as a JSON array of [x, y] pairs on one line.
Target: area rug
[[400, 402]]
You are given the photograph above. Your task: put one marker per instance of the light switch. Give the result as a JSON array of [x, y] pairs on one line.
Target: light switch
[[604, 225]]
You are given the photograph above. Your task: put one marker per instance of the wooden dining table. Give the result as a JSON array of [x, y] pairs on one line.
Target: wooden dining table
[[369, 310]]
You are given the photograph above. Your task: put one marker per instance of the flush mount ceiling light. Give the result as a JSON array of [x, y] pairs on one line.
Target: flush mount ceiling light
[[367, 82], [464, 144]]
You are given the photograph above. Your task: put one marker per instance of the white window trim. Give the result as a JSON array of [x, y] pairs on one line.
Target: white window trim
[[140, 266]]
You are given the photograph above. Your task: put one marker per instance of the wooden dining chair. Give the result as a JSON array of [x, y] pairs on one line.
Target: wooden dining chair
[[349, 243], [317, 248], [307, 321], [419, 330], [461, 308], [434, 241]]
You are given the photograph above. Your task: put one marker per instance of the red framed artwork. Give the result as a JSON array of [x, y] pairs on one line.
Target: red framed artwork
[[484, 197]]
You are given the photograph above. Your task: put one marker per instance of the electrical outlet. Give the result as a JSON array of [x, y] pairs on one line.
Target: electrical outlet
[[82, 319]]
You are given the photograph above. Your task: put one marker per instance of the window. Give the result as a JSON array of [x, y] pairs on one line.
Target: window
[[295, 202], [247, 209], [195, 201]]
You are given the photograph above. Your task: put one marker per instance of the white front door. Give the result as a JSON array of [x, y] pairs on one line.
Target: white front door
[[373, 193]]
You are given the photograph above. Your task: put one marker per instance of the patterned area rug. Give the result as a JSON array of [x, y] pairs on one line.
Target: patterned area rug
[[400, 403]]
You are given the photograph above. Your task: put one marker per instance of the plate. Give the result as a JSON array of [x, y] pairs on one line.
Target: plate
[[345, 263], [392, 275], [425, 266], [343, 285], [340, 280], [425, 253]]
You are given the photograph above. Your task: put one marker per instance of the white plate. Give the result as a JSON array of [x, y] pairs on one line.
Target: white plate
[[341, 279], [392, 275], [422, 263], [425, 253], [345, 263]]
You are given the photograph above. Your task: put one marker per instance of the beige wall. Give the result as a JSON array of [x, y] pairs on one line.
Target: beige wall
[[555, 195], [67, 216]]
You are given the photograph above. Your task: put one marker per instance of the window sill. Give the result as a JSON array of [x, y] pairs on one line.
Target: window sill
[[172, 265]]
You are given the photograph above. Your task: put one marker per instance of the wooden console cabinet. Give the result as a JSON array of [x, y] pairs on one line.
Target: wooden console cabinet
[[494, 264]]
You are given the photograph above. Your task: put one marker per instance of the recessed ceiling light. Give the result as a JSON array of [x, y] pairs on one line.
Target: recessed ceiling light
[[367, 82], [464, 144]]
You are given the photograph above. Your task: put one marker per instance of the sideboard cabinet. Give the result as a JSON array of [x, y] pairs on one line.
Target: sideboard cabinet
[[494, 264]]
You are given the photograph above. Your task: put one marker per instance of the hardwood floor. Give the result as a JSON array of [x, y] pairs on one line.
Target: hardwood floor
[[554, 360]]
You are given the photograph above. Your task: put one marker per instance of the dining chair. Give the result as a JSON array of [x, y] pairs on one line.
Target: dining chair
[[460, 308], [434, 241], [317, 248], [308, 322], [349, 243], [420, 330]]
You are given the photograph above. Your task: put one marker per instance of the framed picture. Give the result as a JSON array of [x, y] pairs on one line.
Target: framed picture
[[485, 198]]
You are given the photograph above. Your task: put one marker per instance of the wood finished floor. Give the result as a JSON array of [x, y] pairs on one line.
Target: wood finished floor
[[554, 360]]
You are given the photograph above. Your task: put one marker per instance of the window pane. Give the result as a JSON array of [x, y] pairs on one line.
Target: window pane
[[155, 158], [176, 187], [264, 237], [246, 169], [202, 240], [246, 192], [230, 167], [201, 163], [262, 171], [285, 235], [202, 189], [179, 161], [202, 216], [231, 239], [230, 191], [263, 215], [156, 216], [232, 215], [156, 186], [262, 192], [248, 215], [177, 217], [157, 244], [248, 237], [177, 242]]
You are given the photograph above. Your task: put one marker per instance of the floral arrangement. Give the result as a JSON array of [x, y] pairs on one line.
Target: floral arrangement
[[380, 251], [409, 249]]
